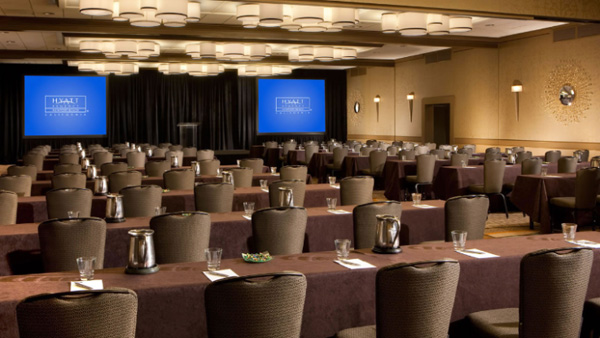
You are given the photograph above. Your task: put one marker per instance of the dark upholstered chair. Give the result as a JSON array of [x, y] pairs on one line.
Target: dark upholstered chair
[[205, 154], [425, 169], [176, 147], [339, 153], [552, 292], [68, 158], [209, 167], [408, 154], [467, 213], [136, 159], [522, 156], [69, 180], [356, 190], [179, 179], [377, 160], [280, 231], [121, 179], [102, 157], [294, 172], [567, 164], [59, 201], [552, 156], [112, 167], [456, 160], [189, 151], [67, 168], [242, 177], [238, 307], [256, 164], [214, 197], [29, 170], [493, 178], [108, 313], [157, 168], [141, 200], [63, 240], [35, 159], [160, 153], [412, 300], [181, 236], [8, 207], [309, 151], [591, 318], [584, 201], [177, 153], [298, 190], [365, 221], [531, 166], [19, 184]]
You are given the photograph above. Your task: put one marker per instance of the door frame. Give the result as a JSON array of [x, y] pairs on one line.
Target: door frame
[[437, 100]]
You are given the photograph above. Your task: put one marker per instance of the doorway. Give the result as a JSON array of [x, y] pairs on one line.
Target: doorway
[[436, 123]]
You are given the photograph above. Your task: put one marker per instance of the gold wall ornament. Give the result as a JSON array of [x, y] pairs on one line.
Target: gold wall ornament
[[568, 74], [355, 100]]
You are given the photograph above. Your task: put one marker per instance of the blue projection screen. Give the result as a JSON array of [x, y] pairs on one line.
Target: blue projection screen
[[65, 106], [291, 106]]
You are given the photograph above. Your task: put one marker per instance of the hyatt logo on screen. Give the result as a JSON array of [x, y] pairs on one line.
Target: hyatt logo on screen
[[65, 105], [292, 105]]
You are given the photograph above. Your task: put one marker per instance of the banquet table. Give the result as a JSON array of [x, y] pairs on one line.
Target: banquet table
[[171, 301], [296, 156], [50, 162], [33, 209], [354, 163], [256, 151], [272, 156], [19, 243], [318, 165]]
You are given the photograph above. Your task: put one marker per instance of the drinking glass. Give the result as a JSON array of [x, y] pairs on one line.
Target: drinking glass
[[86, 267], [248, 208], [219, 171], [459, 239], [160, 211], [416, 198], [544, 171], [331, 180], [239, 163], [264, 184], [342, 248], [273, 170], [72, 214], [213, 258], [569, 230], [463, 164], [331, 203]]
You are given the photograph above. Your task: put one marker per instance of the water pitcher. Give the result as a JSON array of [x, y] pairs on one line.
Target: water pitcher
[[387, 236]]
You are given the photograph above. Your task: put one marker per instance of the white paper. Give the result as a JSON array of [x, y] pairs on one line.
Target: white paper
[[552, 176], [335, 186], [339, 212], [470, 167], [586, 243], [277, 174], [94, 284], [424, 206], [213, 278], [476, 253], [265, 190], [354, 264], [247, 217]]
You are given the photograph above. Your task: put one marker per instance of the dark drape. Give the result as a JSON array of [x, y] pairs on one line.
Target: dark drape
[[146, 108]]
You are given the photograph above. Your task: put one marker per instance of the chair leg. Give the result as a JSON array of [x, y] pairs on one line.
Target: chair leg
[[530, 223], [417, 188], [505, 205]]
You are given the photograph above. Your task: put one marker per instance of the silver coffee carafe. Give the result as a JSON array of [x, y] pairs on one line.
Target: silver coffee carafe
[[511, 159], [286, 197], [142, 259], [100, 185], [114, 208], [227, 177], [387, 236], [577, 154], [85, 163], [595, 162], [196, 167], [92, 172], [174, 161], [82, 153], [149, 152]]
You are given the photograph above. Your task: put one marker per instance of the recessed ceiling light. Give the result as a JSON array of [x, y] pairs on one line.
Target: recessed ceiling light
[[48, 13]]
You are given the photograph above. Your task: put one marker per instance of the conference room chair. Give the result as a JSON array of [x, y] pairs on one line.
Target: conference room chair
[[34, 159], [567, 164], [287, 146], [365, 221], [189, 151], [118, 146], [294, 172], [333, 145], [425, 169], [531, 166], [445, 147], [112, 167], [356, 190], [141, 200], [165, 145], [412, 300], [122, 179], [467, 213], [180, 236], [408, 155], [256, 164], [430, 145], [577, 208], [421, 150], [457, 160], [67, 168], [210, 167], [176, 147], [29, 170], [377, 161], [585, 155], [60, 201], [177, 153], [408, 145], [136, 159], [123, 152], [157, 168], [214, 197], [18, 184], [492, 156], [552, 156], [365, 151], [298, 191], [309, 151], [392, 150], [242, 177], [552, 291], [102, 157], [468, 151], [522, 156], [492, 150], [69, 180], [98, 313], [179, 179], [357, 147], [339, 154], [441, 154], [160, 153], [148, 149], [280, 231], [493, 178], [63, 240], [371, 143], [68, 158], [517, 150], [269, 145], [591, 318], [256, 306], [8, 207], [397, 144]]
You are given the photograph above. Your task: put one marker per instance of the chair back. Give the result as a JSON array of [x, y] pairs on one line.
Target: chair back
[[421, 150], [19, 184], [99, 313], [176, 147], [493, 176], [180, 236], [441, 154], [160, 153], [408, 154], [522, 156], [365, 221], [425, 168], [298, 190], [456, 160], [531, 166], [365, 151], [370, 143], [121, 179], [34, 159], [408, 145], [294, 172], [242, 177], [586, 188], [491, 156], [124, 151], [237, 307], [157, 168], [214, 197], [416, 299], [468, 151], [356, 190], [29, 170], [553, 283], [69, 180], [309, 151], [8, 207], [431, 145], [567, 164], [287, 146], [68, 158], [205, 154], [339, 153], [102, 157], [492, 150], [467, 213], [190, 152], [177, 153], [256, 164], [112, 167], [165, 145], [271, 144], [141, 200], [280, 231], [209, 167], [357, 147], [136, 159], [59, 201], [585, 155], [179, 179], [67, 168], [392, 150], [63, 240], [377, 161], [552, 156]]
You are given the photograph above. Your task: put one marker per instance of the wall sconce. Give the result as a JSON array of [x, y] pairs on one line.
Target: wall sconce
[[516, 88], [376, 99], [410, 97]]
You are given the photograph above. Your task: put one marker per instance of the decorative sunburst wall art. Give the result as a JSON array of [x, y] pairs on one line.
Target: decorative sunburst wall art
[[356, 115], [568, 73]]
